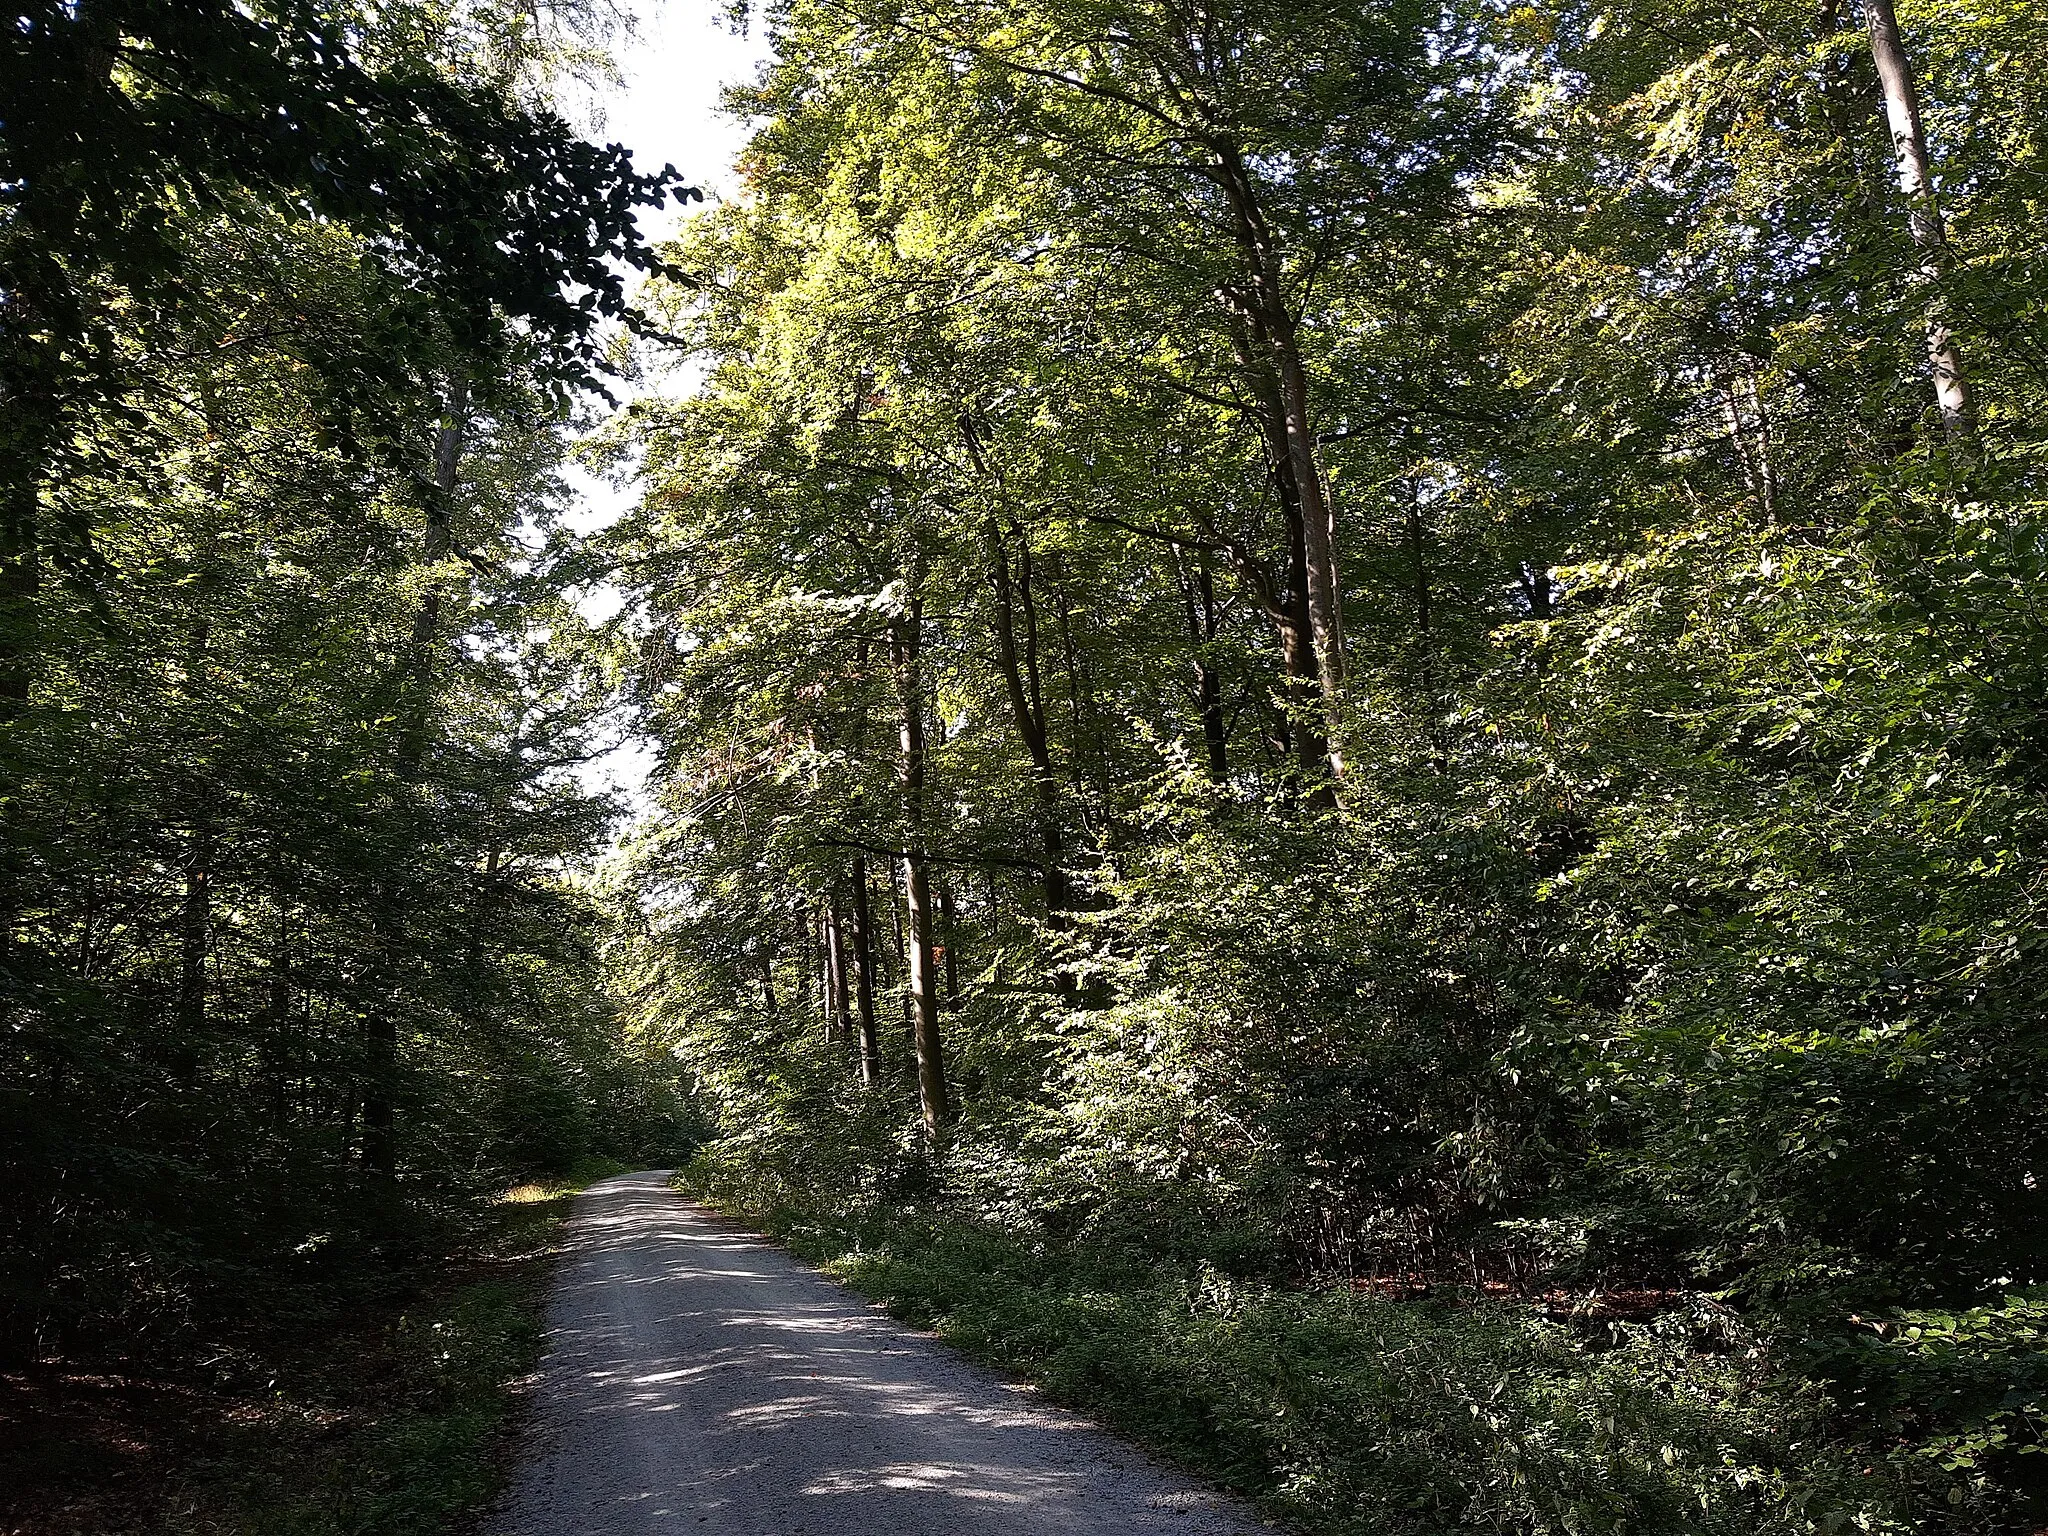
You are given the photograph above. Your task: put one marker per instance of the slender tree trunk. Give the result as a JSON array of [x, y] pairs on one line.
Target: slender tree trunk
[[195, 925], [931, 1069], [380, 1126], [864, 977], [1753, 458], [1027, 710], [1284, 393], [1916, 180], [37, 312], [1319, 538], [906, 648], [767, 978], [438, 540], [949, 941], [1537, 592], [1418, 557], [838, 990], [899, 965], [20, 641], [195, 914], [1198, 599], [1019, 665], [828, 971], [1290, 607], [1766, 454], [1425, 620], [21, 580], [277, 1016]]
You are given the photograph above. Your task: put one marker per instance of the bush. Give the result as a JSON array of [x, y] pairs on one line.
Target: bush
[[1351, 1412]]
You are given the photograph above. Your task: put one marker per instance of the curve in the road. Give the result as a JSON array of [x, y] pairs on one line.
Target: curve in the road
[[700, 1380]]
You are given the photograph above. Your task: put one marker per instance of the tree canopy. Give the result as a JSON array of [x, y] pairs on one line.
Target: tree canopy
[[1389, 645], [1346, 701]]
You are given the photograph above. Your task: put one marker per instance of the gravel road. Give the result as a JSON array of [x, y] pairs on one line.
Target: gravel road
[[700, 1380]]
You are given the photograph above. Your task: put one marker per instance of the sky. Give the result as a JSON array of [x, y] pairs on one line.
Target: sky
[[678, 57]]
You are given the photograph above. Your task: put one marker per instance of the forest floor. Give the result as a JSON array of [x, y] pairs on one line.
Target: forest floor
[[700, 1379], [390, 1416]]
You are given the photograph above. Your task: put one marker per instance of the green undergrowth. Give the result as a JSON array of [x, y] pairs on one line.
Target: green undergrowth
[[405, 1430], [1345, 1412]]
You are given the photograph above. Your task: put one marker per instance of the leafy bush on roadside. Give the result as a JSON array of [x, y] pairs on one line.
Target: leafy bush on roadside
[[1348, 1412]]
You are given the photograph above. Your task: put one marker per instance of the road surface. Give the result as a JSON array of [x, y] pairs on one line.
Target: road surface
[[700, 1380]]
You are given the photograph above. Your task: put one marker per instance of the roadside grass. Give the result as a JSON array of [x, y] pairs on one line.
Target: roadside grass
[[389, 1415], [1342, 1412]]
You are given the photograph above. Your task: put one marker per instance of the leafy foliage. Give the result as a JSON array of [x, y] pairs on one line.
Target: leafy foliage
[[294, 964], [1624, 891]]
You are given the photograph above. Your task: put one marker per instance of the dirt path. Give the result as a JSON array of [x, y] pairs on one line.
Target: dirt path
[[701, 1380]]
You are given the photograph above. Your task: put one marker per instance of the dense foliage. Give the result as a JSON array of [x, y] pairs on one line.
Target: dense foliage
[[293, 958], [1348, 709], [1389, 651]]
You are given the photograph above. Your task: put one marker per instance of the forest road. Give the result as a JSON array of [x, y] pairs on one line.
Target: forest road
[[700, 1380]]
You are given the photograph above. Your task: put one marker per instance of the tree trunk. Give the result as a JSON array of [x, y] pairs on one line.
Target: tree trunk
[[905, 647], [864, 977], [380, 1126], [21, 577], [1198, 599], [1319, 537], [838, 991], [20, 620], [1289, 607], [277, 1014], [1283, 392], [1425, 623], [1418, 556], [949, 942], [1916, 180], [1027, 710], [195, 930]]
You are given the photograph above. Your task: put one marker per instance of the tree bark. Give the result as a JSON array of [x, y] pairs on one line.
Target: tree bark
[[1425, 622], [838, 988], [1418, 557], [1198, 599], [21, 579], [1289, 606], [277, 1014], [1952, 391], [1284, 395], [1027, 709], [864, 977], [195, 930], [905, 644]]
